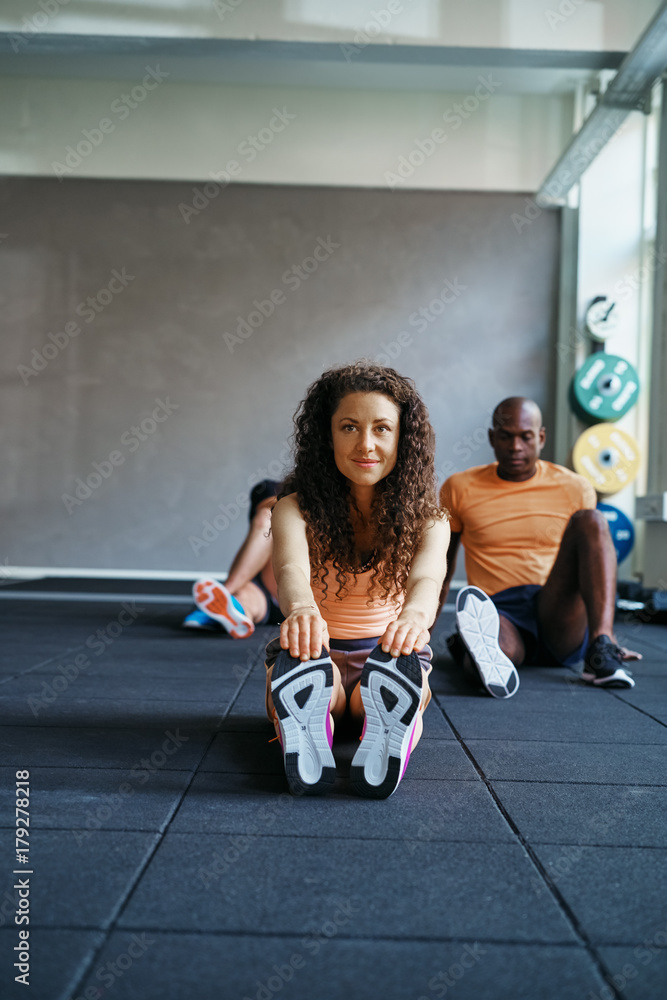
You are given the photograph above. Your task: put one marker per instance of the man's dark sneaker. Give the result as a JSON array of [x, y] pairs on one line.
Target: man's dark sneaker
[[603, 665], [461, 657], [478, 624], [456, 648]]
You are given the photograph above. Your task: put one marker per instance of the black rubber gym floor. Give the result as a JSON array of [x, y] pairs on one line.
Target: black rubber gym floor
[[524, 855]]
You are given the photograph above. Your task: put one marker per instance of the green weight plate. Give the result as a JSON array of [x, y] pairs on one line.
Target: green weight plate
[[605, 387]]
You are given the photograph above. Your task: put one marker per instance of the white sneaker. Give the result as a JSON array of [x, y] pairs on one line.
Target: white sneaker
[[391, 691], [479, 626], [301, 692]]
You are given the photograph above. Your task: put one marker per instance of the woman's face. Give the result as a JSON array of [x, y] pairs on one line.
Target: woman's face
[[364, 430]]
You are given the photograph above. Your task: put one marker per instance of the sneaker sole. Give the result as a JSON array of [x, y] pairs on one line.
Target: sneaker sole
[[216, 601], [619, 679], [301, 692], [479, 626], [391, 691]]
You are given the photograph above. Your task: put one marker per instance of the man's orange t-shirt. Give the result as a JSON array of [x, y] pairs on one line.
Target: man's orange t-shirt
[[511, 532]]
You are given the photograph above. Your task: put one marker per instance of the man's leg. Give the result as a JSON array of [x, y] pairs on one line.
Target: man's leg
[[510, 641], [580, 591]]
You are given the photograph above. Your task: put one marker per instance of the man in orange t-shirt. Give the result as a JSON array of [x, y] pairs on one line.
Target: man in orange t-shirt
[[540, 562]]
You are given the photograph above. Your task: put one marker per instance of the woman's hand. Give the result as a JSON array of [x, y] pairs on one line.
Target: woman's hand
[[304, 632], [404, 635]]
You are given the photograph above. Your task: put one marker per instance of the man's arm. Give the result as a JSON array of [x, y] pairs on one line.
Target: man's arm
[[452, 553]]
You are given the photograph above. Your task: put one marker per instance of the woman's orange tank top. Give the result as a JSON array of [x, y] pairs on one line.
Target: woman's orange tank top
[[350, 616]]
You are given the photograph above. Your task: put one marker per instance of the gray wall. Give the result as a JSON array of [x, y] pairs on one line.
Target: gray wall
[[162, 337]]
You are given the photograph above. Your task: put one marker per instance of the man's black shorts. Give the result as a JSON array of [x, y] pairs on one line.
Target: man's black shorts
[[519, 605]]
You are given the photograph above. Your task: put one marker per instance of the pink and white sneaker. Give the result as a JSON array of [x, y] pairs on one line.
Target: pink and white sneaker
[[214, 599], [391, 692], [301, 692]]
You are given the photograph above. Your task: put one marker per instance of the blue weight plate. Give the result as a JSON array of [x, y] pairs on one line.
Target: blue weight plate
[[621, 528]]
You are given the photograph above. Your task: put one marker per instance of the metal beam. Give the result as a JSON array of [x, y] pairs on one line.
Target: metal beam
[[567, 337], [657, 446], [46, 44], [628, 91]]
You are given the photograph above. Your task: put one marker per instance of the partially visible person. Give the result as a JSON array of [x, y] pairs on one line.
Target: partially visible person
[[249, 596], [540, 563], [359, 554]]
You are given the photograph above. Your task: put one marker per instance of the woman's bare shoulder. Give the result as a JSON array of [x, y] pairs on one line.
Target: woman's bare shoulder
[[287, 506]]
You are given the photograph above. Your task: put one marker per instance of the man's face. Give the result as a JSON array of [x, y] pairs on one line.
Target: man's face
[[517, 440]]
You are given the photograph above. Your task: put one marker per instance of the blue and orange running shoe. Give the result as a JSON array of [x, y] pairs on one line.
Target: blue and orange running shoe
[[214, 600], [200, 620]]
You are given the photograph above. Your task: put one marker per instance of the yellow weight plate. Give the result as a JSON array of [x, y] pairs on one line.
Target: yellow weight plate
[[607, 456]]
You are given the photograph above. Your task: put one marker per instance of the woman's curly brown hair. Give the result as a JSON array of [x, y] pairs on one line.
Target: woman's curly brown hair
[[405, 500]]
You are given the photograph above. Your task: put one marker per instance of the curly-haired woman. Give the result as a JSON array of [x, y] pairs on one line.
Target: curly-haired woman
[[360, 550]]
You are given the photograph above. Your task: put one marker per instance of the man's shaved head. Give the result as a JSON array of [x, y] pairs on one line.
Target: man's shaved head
[[514, 406], [517, 437]]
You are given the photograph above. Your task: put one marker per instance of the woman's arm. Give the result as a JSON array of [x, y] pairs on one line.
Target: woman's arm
[[422, 593], [452, 553], [304, 631]]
